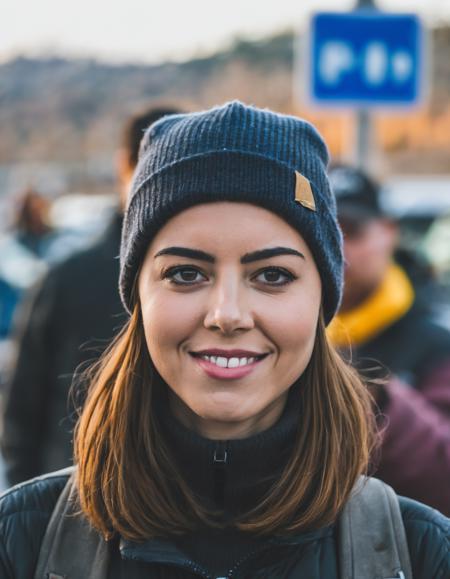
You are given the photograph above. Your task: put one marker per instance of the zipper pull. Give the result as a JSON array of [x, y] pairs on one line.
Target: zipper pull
[[220, 458]]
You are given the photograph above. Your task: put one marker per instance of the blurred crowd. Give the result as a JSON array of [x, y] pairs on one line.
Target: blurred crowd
[[388, 327]]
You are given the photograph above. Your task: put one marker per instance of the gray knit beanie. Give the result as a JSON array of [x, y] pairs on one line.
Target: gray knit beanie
[[234, 153]]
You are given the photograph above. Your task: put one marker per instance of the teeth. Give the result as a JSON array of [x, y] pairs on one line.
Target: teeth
[[223, 362], [233, 362]]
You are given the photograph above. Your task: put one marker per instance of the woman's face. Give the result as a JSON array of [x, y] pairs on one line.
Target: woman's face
[[230, 299]]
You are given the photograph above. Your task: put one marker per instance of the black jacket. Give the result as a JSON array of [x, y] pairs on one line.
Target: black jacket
[[25, 511], [75, 312], [251, 465]]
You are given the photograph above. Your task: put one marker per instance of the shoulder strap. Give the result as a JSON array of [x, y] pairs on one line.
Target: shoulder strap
[[372, 538], [71, 549]]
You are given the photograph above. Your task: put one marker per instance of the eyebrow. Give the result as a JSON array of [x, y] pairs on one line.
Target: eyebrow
[[187, 252], [247, 258], [270, 252]]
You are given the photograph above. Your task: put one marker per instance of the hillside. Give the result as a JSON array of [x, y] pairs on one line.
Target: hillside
[[71, 111]]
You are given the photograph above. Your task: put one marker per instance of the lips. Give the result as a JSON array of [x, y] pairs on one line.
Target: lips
[[228, 364]]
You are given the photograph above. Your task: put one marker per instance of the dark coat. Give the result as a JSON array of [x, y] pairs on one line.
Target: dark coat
[[25, 512], [74, 313], [415, 456]]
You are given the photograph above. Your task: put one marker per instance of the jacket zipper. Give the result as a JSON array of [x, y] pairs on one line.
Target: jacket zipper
[[220, 459], [232, 572], [195, 568]]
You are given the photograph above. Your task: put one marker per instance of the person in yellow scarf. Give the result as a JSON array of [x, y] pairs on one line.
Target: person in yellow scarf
[[385, 328]]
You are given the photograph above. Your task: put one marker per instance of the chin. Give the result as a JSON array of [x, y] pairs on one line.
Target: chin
[[224, 407]]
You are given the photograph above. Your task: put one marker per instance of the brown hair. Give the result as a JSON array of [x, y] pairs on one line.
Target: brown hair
[[128, 483]]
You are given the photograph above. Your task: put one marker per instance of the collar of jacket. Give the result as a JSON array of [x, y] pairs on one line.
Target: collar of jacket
[[232, 476], [162, 551]]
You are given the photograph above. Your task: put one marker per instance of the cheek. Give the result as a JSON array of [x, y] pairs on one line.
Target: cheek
[[167, 323], [298, 333], [292, 323], [294, 337]]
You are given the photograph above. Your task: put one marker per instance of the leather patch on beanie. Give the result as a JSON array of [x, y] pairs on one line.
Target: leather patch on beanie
[[303, 192]]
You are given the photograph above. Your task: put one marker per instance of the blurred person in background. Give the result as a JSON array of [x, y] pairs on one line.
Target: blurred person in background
[[66, 323], [385, 327], [32, 224], [30, 243], [25, 249]]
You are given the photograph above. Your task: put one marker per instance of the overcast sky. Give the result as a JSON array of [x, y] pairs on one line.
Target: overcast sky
[[155, 30]]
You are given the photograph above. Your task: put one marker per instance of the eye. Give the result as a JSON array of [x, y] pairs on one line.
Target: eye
[[184, 275], [274, 276]]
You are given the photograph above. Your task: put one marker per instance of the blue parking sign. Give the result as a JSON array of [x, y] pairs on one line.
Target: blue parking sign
[[366, 58]]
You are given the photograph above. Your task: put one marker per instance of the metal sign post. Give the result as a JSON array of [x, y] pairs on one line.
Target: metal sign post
[[364, 121], [364, 139], [365, 59]]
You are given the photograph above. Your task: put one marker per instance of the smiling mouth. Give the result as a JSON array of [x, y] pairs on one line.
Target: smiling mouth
[[229, 361]]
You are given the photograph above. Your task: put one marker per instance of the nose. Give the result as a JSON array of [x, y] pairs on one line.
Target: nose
[[228, 309]]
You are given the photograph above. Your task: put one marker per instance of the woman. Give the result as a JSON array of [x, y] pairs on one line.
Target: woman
[[222, 436]]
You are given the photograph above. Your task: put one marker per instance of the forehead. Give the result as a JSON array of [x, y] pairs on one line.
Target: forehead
[[225, 224]]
